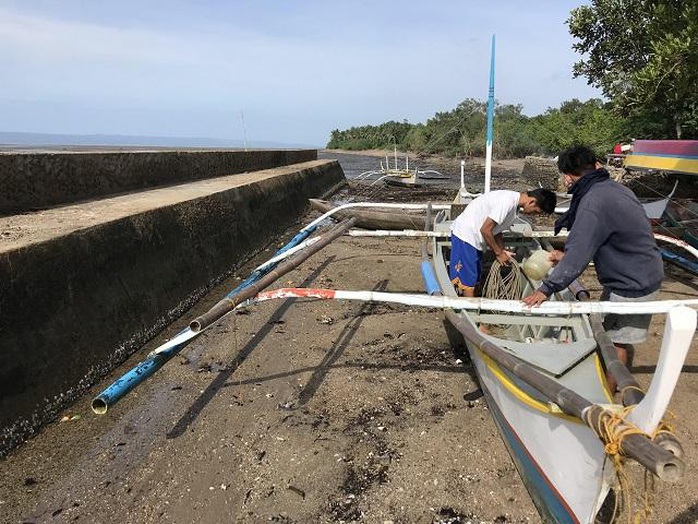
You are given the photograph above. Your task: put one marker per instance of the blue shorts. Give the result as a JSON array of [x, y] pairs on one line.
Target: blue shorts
[[466, 264]]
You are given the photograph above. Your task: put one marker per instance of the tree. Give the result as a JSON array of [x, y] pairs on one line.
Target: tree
[[643, 55]]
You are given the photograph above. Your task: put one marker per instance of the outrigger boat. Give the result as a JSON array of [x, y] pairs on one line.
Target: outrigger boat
[[684, 214], [399, 176], [654, 209], [541, 371], [561, 459]]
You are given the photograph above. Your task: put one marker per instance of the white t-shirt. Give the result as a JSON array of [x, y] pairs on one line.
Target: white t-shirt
[[500, 206]]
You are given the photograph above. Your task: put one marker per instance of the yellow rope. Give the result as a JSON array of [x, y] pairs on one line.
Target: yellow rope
[[630, 388], [613, 428]]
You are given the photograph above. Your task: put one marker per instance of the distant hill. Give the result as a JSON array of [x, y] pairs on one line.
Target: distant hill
[[49, 139]]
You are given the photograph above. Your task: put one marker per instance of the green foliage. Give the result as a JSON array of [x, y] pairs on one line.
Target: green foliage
[[461, 131], [643, 55], [383, 136]]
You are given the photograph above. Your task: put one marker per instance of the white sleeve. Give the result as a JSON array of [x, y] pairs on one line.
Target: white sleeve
[[502, 208]]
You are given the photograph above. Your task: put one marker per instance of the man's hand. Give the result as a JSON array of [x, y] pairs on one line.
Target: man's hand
[[505, 257], [535, 299], [555, 256]]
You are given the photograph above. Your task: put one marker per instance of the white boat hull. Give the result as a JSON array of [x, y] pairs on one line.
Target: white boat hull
[[561, 461]]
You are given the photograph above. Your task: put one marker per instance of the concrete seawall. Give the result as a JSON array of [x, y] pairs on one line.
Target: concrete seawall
[[40, 180], [83, 286]]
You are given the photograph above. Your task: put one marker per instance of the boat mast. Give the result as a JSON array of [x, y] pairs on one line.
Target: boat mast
[[490, 118]]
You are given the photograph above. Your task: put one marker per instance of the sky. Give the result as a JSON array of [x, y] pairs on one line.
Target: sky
[[273, 70]]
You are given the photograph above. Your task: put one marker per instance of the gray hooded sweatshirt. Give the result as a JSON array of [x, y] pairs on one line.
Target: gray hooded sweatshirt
[[611, 228]]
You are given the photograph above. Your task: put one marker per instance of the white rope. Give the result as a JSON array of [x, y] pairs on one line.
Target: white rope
[[503, 282]]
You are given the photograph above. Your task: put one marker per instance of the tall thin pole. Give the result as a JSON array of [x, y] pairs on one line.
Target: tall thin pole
[[490, 118], [244, 129]]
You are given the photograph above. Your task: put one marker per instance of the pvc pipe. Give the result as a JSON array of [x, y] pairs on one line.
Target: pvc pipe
[[390, 205], [155, 360], [478, 304], [392, 233], [431, 284]]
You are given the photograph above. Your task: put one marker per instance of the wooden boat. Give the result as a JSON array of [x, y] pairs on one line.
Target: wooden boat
[[678, 156], [374, 219], [561, 460]]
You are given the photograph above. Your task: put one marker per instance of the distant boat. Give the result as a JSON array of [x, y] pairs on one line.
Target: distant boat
[[393, 175]]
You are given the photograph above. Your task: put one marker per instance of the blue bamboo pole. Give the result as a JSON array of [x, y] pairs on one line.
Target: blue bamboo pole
[[156, 359], [490, 120]]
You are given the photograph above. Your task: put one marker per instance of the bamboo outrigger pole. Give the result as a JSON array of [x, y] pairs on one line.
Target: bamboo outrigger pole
[[263, 276], [631, 394], [227, 304]]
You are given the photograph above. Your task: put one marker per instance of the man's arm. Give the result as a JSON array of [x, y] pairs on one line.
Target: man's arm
[[495, 242], [585, 238]]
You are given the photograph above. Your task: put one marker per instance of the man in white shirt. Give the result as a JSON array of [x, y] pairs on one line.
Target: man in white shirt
[[482, 224]]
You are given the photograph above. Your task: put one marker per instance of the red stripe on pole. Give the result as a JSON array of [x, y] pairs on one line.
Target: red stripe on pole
[[297, 292]]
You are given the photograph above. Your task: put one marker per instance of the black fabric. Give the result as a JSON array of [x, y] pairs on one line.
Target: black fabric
[[578, 190]]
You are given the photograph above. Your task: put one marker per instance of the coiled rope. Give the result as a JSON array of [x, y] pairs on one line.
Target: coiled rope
[[503, 281]]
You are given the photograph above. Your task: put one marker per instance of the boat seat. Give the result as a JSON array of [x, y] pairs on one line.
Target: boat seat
[[549, 355]]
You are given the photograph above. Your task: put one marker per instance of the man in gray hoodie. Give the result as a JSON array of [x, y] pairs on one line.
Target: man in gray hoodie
[[606, 224]]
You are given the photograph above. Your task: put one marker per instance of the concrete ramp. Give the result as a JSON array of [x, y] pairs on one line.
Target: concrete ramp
[[83, 286]]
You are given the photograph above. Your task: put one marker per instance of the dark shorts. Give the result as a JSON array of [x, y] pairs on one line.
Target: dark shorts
[[466, 264], [627, 329]]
